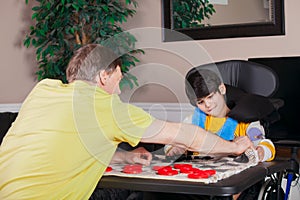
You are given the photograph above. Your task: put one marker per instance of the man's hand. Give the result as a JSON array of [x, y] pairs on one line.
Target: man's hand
[[138, 156], [174, 150], [242, 144]]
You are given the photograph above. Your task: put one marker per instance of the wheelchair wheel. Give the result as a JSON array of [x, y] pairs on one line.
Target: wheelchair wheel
[[269, 191]]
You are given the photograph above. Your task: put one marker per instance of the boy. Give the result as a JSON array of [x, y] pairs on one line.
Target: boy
[[206, 91]]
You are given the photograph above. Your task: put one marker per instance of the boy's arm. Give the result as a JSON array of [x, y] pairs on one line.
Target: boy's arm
[[265, 147], [266, 150]]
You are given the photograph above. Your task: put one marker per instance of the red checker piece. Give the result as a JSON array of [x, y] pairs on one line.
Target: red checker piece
[[184, 168], [189, 170], [108, 169], [132, 169], [156, 168], [133, 166], [210, 171], [181, 165], [197, 173], [167, 171]]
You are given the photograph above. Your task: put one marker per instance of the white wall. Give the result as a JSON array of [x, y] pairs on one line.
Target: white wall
[[173, 112]]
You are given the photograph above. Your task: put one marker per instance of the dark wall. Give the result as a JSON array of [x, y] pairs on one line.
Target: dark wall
[[6, 119], [288, 71]]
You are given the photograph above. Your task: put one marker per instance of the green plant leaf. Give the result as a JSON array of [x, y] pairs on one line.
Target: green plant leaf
[[35, 8], [27, 42], [191, 13], [112, 20], [48, 5], [57, 25], [34, 15], [76, 7]]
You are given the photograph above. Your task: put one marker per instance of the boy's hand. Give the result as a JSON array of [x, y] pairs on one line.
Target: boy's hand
[[138, 156], [261, 153]]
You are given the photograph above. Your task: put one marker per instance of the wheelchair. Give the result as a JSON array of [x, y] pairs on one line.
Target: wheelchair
[[259, 78]]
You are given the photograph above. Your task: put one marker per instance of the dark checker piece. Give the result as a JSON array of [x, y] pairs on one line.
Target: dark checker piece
[[241, 158]]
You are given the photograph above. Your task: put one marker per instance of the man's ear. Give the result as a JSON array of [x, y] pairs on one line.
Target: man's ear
[[222, 89], [102, 77]]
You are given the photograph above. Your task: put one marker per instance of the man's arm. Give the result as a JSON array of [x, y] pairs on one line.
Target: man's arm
[[193, 138]]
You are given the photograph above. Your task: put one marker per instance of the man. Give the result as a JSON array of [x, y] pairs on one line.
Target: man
[[65, 135]]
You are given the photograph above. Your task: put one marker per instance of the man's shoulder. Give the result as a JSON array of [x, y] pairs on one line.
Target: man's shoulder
[[50, 82]]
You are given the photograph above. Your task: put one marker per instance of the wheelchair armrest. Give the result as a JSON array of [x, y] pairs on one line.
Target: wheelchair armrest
[[277, 103]]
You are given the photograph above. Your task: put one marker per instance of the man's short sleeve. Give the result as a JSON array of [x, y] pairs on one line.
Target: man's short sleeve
[[123, 122], [132, 122]]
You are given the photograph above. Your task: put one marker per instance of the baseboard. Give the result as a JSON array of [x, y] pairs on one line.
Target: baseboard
[[10, 107]]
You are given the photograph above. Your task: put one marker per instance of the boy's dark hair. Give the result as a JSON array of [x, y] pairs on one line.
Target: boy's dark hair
[[200, 83]]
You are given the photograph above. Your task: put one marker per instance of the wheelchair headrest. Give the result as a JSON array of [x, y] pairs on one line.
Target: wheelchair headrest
[[248, 76]]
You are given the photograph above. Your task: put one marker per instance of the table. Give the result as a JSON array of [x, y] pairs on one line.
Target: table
[[226, 187]]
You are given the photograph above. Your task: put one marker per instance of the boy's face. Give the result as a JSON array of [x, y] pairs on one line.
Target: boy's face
[[214, 104]]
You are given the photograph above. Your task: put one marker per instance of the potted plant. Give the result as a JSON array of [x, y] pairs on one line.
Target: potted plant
[[62, 26]]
